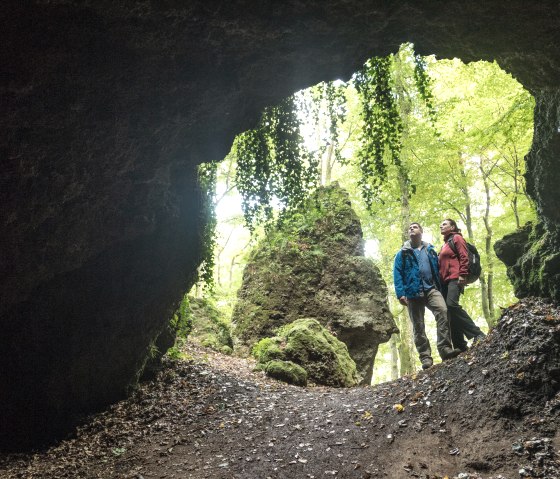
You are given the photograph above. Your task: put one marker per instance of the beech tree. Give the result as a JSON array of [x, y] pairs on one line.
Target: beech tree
[[411, 139]]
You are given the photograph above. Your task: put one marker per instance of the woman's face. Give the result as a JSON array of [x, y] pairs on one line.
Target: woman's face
[[445, 228]]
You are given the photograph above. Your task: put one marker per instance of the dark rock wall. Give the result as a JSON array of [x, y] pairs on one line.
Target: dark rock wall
[[105, 108], [532, 254], [543, 171]]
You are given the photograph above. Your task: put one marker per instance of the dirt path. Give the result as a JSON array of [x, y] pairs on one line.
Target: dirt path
[[212, 417]]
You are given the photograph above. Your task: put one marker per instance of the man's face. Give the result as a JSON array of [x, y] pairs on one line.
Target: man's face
[[414, 231]]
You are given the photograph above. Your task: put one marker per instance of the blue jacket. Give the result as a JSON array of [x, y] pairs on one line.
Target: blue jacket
[[406, 271]]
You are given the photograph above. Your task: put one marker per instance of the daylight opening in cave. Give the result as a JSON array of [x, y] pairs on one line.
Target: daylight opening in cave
[[448, 144]]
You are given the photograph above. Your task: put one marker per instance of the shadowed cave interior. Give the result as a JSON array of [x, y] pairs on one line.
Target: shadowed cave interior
[[107, 108]]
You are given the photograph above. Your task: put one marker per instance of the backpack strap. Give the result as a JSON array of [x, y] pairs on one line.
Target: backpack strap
[[452, 245]]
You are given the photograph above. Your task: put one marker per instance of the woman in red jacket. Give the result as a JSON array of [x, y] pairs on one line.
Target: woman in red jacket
[[453, 269]]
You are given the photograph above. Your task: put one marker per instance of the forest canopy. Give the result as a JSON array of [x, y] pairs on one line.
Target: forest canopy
[[411, 139]]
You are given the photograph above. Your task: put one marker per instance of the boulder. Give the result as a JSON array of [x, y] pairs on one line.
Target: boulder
[[533, 261], [313, 265], [287, 371], [305, 344]]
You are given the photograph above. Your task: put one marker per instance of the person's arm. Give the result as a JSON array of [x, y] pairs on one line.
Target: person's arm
[[437, 273], [398, 273], [463, 255]]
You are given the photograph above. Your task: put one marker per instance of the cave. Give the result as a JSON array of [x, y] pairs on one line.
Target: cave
[[107, 109]]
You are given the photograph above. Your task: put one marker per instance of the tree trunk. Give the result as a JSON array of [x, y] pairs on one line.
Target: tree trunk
[[484, 297], [394, 357], [487, 289], [328, 164], [465, 190], [406, 347]]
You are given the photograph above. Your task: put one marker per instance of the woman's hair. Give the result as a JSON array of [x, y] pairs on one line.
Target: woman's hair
[[453, 225]]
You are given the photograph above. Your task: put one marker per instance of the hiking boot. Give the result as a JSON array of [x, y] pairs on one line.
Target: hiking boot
[[427, 363], [449, 353], [478, 338]]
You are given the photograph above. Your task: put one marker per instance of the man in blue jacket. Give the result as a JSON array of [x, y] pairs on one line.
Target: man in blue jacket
[[417, 285]]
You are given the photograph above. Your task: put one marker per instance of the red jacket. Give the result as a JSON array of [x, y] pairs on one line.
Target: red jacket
[[451, 266]]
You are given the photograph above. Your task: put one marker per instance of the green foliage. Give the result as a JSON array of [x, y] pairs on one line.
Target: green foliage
[[382, 91], [424, 85], [207, 180], [382, 128], [181, 324], [273, 165], [182, 321], [208, 327]]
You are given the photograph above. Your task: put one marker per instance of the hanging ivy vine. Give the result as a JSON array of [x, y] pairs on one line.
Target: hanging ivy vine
[[207, 177], [273, 165], [274, 169], [380, 138], [424, 86], [381, 135]]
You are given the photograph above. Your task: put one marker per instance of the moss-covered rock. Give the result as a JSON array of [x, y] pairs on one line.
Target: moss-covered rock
[[308, 344], [313, 265], [208, 327], [286, 371], [532, 260]]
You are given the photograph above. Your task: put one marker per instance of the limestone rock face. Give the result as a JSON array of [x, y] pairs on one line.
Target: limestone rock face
[[533, 261], [314, 266], [106, 108]]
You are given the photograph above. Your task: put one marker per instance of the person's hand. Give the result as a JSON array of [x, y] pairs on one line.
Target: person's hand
[[403, 300], [462, 281]]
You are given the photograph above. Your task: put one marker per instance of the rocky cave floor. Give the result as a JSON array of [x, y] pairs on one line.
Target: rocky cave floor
[[490, 413]]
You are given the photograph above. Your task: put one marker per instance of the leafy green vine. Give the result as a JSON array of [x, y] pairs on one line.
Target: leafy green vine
[[336, 109], [273, 165], [424, 86], [380, 138], [207, 177], [275, 169]]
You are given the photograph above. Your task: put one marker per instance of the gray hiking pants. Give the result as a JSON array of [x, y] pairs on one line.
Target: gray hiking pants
[[434, 301]]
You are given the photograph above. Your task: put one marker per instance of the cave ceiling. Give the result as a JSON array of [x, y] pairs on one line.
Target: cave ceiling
[[106, 109]]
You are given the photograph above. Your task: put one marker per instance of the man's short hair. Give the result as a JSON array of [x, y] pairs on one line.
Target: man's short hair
[[416, 223]]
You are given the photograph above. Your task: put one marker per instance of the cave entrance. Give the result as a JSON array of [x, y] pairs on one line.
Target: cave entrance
[[409, 139]]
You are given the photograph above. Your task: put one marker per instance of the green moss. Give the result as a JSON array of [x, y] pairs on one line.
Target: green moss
[[226, 350], [286, 371], [253, 320], [306, 343], [268, 349], [532, 260], [208, 326]]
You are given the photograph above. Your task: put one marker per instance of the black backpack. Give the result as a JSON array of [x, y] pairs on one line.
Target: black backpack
[[475, 269]]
